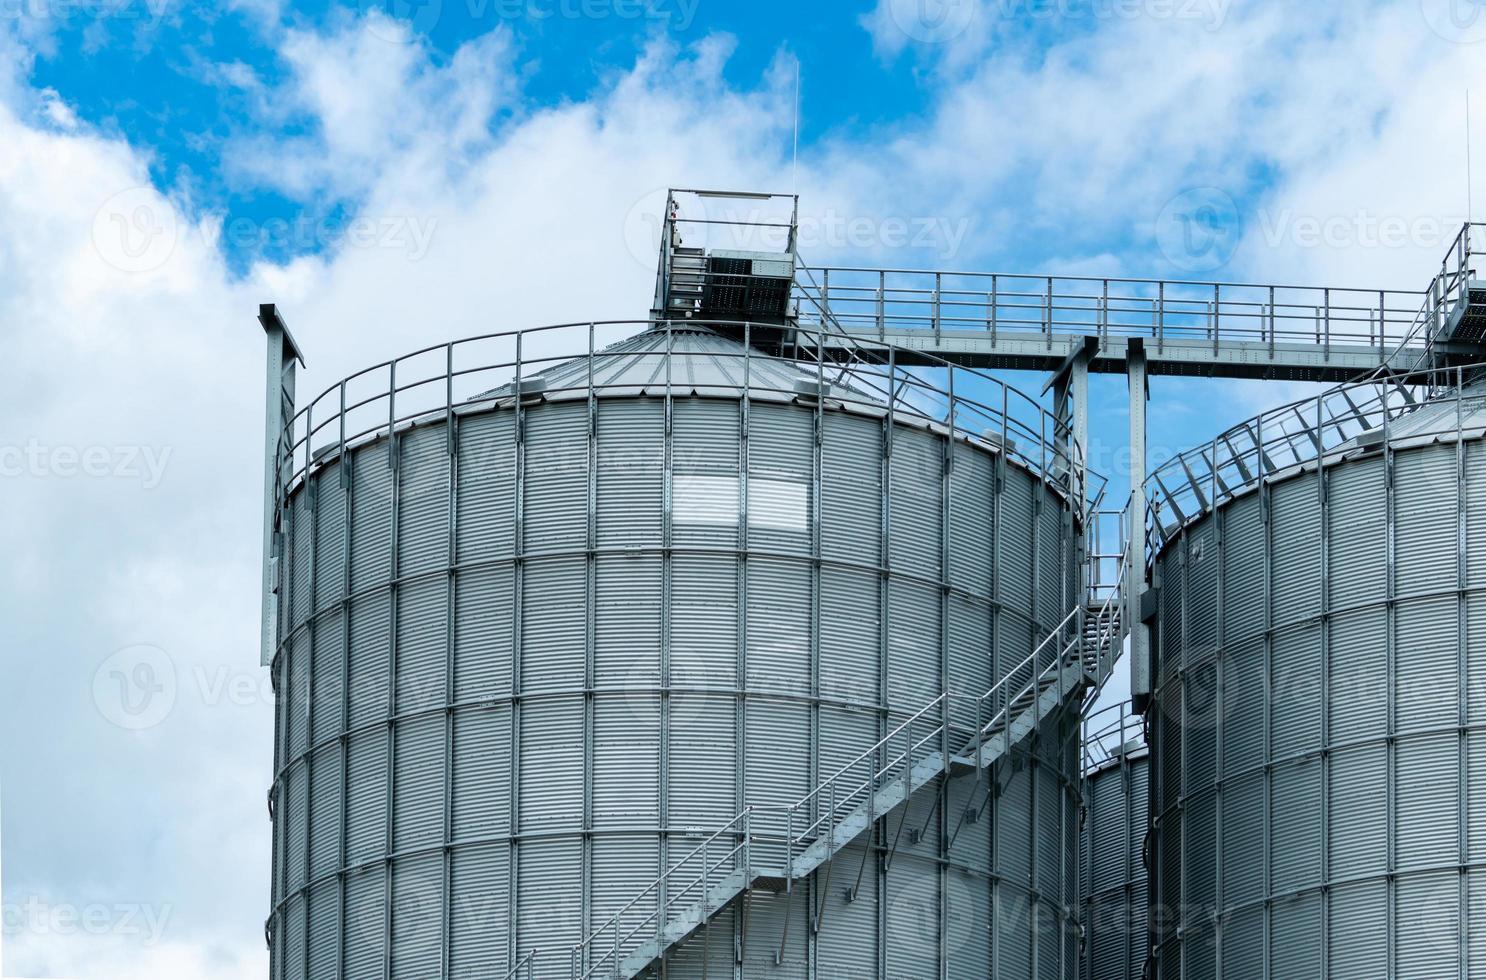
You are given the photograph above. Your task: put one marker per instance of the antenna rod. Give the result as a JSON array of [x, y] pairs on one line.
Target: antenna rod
[[794, 167], [1470, 208]]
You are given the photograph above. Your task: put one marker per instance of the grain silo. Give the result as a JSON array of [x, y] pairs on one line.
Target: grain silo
[[570, 635], [1116, 769], [1319, 755]]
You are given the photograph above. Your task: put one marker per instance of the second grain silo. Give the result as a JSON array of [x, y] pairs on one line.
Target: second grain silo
[[1319, 742], [1116, 767]]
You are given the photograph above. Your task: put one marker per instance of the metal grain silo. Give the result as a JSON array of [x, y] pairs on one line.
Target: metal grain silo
[[1318, 744], [1116, 767], [550, 611]]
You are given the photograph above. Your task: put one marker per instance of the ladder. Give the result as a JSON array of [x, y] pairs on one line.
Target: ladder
[[688, 280], [774, 846]]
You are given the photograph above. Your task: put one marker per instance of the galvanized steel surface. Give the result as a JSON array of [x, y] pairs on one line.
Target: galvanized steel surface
[[1319, 733], [526, 658], [1116, 765]]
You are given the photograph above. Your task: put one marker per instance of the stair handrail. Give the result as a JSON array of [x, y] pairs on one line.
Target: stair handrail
[[527, 961], [729, 829], [743, 824]]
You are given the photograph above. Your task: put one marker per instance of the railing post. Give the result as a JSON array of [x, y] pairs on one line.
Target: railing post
[[979, 730], [1217, 314], [1382, 325], [995, 301], [938, 286], [881, 304], [1271, 321], [1161, 315], [1048, 314], [1326, 350], [1104, 312], [789, 850], [747, 845]]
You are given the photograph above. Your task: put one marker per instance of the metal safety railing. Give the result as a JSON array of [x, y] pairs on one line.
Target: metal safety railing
[[1450, 290], [790, 841], [524, 966], [883, 301], [1110, 733], [1340, 420], [488, 371]]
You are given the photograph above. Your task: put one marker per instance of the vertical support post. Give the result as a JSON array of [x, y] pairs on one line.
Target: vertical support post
[[283, 357], [1140, 640]]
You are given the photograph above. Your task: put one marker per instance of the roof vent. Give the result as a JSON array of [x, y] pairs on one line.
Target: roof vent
[[812, 389], [997, 439], [1370, 439]]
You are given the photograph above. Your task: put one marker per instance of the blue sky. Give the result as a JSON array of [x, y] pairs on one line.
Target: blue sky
[[396, 176]]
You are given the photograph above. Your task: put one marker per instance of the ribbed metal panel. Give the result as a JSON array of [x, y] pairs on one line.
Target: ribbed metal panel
[[1116, 804], [1320, 819], [417, 917], [323, 937], [479, 921], [655, 614]]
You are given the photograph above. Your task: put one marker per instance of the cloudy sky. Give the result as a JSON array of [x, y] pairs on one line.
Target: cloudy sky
[[399, 175]]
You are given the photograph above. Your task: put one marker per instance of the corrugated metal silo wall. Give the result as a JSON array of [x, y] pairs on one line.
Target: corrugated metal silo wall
[[1116, 805], [514, 679], [1320, 765]]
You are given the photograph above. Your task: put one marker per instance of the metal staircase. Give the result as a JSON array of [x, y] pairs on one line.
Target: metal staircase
[[687, 280], [772, 847]]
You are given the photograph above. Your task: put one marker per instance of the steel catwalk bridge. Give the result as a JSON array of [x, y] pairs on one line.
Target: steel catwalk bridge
[[1389, 344]]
